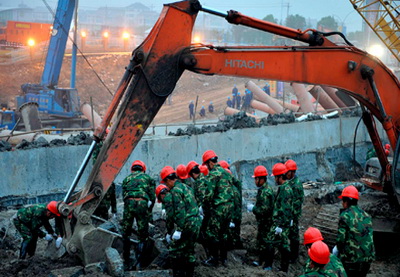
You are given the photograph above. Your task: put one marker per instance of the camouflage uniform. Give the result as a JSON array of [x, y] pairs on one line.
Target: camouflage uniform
[[298, 198], [200, 187], [234, 233], [109, 199], [263, 212], [281, 217], [28, 222], [220, 198], [355, 241], [182, 215], [333, 268]]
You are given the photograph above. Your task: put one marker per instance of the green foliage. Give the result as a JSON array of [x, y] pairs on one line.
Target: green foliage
[[328, 22], [296, 22]]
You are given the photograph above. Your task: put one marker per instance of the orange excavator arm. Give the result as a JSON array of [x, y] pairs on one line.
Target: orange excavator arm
[[157, 64]]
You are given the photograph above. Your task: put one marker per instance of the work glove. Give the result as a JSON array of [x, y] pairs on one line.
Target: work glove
[[163, 214], [278, 231], [168, 238], [48, 237], [335, 251], [232, 225], [149, 203], [58, 242], [250, 207], [176, 235], [291, 223], [201, 212]]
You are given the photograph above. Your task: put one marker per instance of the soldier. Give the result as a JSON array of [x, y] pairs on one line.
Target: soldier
[[28, 222], [181, 173], [234, 95], [229, 103], [263, 211], [319, 260], [281, 220], [183, 223], [211, 107], [110, 199], [219, 196], [234, 232], [333, 268], [139, 197], [298, 198], [355, 244]]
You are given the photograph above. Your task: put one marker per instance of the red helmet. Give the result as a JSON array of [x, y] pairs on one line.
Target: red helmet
[[387, 146], [387, 152], [190, 166], [204, 170], [52, 207], [312, 235], [319, 252], [159, 189], [224, 164], [350, 191], [279, 169], [260, 171], [140, 163], [167, 170], [291, 165], [209, 154], [181, 172]]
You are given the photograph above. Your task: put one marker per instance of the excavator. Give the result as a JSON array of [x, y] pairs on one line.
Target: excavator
[[156, 65]]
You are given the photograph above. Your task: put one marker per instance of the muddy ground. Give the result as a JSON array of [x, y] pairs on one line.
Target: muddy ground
[[387, 262]]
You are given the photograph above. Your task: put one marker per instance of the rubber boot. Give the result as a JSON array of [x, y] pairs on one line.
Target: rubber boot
[[190, 269], [127, 255], [23, 250], [223, 253], [269, 258], [178, 268], [213, 258], [139, 254], [285, 256]]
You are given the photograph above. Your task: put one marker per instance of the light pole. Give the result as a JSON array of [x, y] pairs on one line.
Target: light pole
[[125, 38], [31, 44], [106, 36]]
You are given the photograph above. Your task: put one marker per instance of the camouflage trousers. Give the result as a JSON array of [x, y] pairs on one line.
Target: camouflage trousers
[[281, 240], [262, 235], [136, 209], [234, 233], [294, 231], [183, 249], [218, 224]]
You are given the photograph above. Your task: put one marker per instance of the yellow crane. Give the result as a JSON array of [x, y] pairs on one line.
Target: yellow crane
[[382, 17]]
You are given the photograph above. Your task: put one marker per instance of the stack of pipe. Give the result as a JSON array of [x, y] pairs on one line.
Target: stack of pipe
[[260, 95], [303, 97], [323, 98], [332, 94], [232, 111], [86, 109]]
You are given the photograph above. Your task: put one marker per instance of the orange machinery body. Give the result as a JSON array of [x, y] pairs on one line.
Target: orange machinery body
[[20, 32], [157, 64]]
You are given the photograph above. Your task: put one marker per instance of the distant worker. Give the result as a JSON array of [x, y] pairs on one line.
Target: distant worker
[[263, 210], [183, 223], [298, 198], [211, 107], [229, 103], [355, 243], [238, 101], [28, 222], [282, 217], [234, 232], [110, 198], [333, 268], [320, 263], [266, 89], [202, 111], [191, 110], [138, 190], [234, 94], [220, 198]]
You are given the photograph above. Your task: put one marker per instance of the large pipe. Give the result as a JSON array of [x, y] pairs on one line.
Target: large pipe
[[261, 106], [288, 106], [323, 98], [303, 97], [260, 95], [332, 94], [86, 109], [30, 116], [232, 111]]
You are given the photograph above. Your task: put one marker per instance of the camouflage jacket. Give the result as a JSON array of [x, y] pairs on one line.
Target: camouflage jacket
[[139, 185], [34, 217], [355, 241], [283, 207], [238, 185], [181, 208], [200, 188], [264, 205], [333, 268], [219, 187], [298, 196]]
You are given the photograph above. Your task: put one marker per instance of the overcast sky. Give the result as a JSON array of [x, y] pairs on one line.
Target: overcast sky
[[341, 10]]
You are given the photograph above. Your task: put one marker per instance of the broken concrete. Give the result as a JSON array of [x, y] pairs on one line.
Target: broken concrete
[[114, 262], [75, 271]]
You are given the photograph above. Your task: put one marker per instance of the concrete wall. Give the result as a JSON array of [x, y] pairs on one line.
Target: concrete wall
[[313, 144]]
